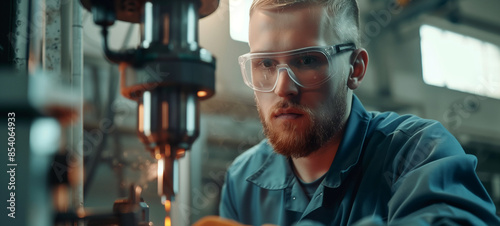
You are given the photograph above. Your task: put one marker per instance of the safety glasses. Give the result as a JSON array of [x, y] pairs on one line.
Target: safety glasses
[[307, 67]]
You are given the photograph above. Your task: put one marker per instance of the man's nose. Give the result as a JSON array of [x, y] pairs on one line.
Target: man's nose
[[285, 86]]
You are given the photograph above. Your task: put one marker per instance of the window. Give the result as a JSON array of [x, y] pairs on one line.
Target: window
[[460, 62], [238, 19]]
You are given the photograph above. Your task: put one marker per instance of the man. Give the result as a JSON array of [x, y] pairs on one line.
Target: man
[[326, 160]]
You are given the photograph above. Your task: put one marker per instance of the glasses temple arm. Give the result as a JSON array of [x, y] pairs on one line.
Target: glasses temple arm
[[345, 47]]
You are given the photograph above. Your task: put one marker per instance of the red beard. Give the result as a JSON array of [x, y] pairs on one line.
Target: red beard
[[299, 137]]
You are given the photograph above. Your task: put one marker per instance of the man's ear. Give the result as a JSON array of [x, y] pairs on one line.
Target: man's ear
[[359, 63]]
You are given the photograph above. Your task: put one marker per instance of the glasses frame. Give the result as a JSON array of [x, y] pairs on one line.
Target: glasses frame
[[328, 51]]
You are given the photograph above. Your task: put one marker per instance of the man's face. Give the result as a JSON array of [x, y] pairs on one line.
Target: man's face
[[297, 120]]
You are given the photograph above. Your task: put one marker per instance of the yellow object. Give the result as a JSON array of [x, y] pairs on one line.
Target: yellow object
[[403, 2], [168, 221], [202, 93], [215, 220]]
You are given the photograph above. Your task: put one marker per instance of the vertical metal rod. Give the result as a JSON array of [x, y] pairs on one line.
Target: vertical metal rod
[[52, 38], [175, 24], [77, 83], [182, 205], [20, 36], [35, 33], [183, 25]]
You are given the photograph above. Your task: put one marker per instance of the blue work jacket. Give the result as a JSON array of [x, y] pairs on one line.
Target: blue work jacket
[[389, 169]]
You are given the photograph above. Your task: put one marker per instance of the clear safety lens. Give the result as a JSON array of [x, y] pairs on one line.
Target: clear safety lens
[[307, 69]]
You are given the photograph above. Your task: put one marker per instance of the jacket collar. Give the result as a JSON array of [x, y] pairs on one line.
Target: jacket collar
[[275, 173], [351, 146]]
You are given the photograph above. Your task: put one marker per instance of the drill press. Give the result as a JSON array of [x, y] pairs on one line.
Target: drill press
[[168, 74]]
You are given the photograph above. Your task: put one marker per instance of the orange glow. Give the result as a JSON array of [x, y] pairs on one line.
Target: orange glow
[[123, 73], [202, 93], [140, 117], [167, 221], [403, 2], [167, 206], [160, 175], [60, 197], [164, 108], [80, 212], [180, 153], [167, 209], [158, 156]]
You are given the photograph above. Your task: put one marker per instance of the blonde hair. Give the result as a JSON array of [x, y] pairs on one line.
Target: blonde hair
[[343, 15]]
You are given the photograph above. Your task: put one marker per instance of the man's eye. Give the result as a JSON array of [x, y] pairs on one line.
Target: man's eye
[[307, 60], [266, 63]]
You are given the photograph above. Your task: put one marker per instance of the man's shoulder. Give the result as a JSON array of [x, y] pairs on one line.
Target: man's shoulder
[[409, 134], [390, 123], [251, 160]]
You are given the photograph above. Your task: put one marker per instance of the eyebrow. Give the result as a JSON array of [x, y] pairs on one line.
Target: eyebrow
[[280, 51]]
